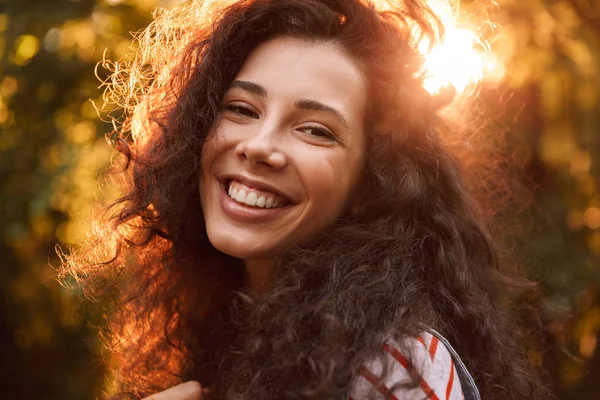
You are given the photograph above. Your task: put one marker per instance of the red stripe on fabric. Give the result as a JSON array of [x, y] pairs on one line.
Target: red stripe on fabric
[[433, 347], [411, 369], [422, 341], [383, 389], [398, 356], [450, 381]]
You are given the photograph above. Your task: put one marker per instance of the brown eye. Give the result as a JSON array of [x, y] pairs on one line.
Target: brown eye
[[317, 131], [241, 110]]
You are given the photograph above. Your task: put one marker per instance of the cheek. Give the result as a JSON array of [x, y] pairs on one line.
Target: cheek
[[212, 148], [208, 159], [330, 186]]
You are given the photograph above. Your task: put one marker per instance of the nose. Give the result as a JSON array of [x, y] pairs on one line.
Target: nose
[[261, 149]]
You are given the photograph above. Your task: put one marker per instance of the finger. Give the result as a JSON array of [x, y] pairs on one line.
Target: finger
[[190, 390]]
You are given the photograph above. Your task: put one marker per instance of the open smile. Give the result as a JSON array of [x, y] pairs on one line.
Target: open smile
[[254, 197], [241, 208]]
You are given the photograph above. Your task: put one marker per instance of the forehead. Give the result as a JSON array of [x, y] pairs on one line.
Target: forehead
[[293, 67]]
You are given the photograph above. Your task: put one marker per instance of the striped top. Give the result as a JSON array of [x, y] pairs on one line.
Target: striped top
[[429, 361]]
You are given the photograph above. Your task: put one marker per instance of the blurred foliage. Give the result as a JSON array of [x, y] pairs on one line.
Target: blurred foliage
[[52, 149]]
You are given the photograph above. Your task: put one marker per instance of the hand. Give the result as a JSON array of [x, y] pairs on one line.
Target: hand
[[190, 390]]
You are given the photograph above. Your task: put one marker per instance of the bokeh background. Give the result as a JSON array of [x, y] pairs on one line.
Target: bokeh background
[[52, 149]]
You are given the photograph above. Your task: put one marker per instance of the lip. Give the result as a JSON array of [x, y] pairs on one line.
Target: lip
[[242, 213], [255, 184]]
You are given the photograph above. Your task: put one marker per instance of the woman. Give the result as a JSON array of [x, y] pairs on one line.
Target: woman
[[293, 224]]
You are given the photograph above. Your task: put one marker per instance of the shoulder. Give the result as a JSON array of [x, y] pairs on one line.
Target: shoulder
[[418, 367]]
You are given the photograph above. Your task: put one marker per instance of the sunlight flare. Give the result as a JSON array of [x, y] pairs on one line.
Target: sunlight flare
[[462, 59], [459, 59]]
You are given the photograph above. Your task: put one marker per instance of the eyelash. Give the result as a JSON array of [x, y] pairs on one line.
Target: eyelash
[[233, 108], [323, 132]]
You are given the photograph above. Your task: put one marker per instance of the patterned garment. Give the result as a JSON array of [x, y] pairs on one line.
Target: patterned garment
[[428, 358]]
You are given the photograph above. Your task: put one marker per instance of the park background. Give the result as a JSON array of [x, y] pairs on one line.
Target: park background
[[52, 149]]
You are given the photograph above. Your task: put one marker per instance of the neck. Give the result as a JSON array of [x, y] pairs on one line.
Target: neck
[[258, 272]]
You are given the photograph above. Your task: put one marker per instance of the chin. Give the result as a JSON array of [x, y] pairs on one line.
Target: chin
[[239, 249]]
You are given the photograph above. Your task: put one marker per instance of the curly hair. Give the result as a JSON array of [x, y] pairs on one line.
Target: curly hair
[[419, 252]]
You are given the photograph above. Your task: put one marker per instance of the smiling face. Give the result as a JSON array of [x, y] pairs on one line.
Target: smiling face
[[288, 149]]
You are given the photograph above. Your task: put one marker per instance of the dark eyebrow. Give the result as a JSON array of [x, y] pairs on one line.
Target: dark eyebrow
[[304, 104], [249, 87]]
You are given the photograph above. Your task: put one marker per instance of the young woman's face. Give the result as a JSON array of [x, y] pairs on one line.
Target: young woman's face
[[288, 150]]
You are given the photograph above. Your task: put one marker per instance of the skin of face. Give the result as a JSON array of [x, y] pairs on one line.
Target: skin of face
[[272, 130]]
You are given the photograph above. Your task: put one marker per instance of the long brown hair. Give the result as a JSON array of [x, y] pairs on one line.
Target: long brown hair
[[417, 254]]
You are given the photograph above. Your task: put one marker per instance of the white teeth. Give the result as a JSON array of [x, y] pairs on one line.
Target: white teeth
[[251, 199], [241, 196]]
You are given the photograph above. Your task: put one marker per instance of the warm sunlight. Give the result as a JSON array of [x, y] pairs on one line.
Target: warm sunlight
[[462, 60], [459, 60], [454, 62]]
